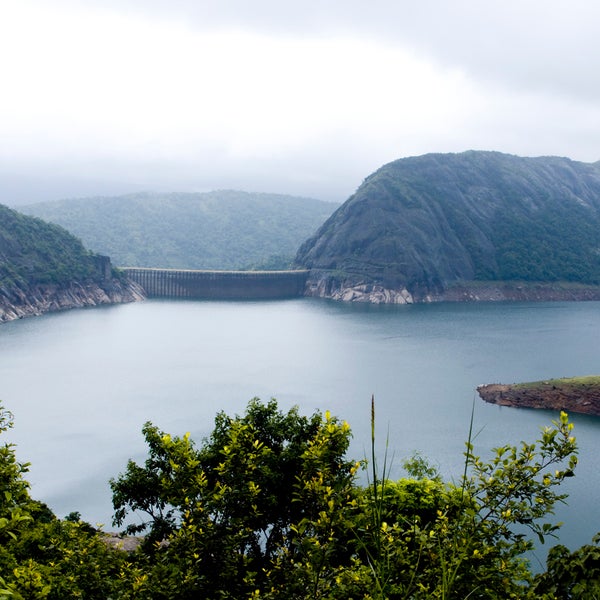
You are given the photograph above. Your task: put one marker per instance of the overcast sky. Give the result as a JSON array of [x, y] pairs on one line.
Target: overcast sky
[[305, 98]]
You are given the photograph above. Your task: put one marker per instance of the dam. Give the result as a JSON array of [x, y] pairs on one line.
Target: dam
[[218, 285]]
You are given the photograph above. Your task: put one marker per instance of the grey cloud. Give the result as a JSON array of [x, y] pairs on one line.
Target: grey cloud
[[536, 45], [547, 49]]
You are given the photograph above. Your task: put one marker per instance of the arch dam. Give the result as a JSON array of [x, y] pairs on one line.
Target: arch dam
[[219, 285]]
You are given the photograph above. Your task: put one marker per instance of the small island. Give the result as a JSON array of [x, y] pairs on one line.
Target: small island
[[572, 394]]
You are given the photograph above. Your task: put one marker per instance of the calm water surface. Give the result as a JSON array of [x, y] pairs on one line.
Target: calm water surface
[[82, 383]]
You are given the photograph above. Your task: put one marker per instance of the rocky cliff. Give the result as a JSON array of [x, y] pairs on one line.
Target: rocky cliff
[[34, 300], [445, 226], [44, 268]]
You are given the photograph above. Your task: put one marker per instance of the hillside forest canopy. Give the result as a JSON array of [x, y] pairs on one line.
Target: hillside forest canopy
[[34, 252], [270, 506], [224, 229]]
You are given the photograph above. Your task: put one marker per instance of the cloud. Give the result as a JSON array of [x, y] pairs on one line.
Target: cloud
[[296, 97], [538, 44]]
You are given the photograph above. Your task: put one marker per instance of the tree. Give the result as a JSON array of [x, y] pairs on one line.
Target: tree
[[433, 540], [571, 575], [234, 508], [270, 507], [42, 557]]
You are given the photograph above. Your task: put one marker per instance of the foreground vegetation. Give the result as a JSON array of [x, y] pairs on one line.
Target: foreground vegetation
[[269, 506]]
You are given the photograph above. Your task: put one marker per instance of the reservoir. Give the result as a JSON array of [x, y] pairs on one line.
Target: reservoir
[[82, 383]]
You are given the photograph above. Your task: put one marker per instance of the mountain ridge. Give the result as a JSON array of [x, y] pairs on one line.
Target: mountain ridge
[[222, 229], [418, 226]]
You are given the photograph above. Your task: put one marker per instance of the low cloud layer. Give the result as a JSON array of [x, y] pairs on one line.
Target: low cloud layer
[[302, 98]]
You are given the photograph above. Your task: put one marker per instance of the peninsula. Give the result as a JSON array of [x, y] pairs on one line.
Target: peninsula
[[573, 394]]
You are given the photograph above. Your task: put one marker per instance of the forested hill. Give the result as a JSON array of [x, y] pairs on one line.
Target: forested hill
[[43, 268], [214, 230], [424, 224], [33, 251]]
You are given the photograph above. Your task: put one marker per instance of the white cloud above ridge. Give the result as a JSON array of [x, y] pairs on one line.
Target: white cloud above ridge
[[188, 93]]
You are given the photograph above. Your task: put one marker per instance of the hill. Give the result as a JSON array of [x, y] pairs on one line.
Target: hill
[[428, 227], [214, 230], [43, 268]]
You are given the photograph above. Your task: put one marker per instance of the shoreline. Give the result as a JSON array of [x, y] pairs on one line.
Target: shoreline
[[576, 394], [321, 284], [36, 300]]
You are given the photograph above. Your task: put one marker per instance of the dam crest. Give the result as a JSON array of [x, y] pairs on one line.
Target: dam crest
[[218, 285]]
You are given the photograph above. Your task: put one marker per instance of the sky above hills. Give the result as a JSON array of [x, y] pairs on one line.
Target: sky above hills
[[305, 98]]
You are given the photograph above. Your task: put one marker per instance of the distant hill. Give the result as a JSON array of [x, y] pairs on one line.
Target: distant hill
[[214, 230], [43, 267], [419, 226]]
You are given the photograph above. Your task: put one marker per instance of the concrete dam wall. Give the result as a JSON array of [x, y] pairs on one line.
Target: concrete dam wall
[[219, 285]]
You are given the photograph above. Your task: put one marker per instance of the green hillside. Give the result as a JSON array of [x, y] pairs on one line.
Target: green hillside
[[215, 230], [35, 252], [44, 268], [424, 223]]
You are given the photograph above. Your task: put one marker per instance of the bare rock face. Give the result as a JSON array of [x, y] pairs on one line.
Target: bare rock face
[[581, 397], [35, 300], [420, 226], [321, 285], [361, 292], [44, 268]]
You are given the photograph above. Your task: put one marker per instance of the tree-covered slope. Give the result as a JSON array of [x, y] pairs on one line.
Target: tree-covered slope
[[35, 252], [424, 223], [215, 230], [43, 268]]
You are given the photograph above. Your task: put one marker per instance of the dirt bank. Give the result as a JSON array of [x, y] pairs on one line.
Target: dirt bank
[[580, 395]]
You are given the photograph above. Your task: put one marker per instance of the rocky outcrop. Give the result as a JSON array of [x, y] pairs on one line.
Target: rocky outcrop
[[427, 227], [321, 285], [325, 287], [581, 397], [18, 302], [520, 292], [124, 543]]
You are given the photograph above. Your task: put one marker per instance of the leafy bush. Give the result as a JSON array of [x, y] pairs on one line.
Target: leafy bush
[[42, 557], [269, 507]]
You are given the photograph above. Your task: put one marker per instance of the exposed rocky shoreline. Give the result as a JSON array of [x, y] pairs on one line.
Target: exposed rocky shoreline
[[325, 286], [17, 303], [579, 396], [523, 292]]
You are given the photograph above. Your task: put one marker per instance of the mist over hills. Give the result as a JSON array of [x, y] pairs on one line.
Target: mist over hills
[[422, 224], [416, 229], [214, 230]]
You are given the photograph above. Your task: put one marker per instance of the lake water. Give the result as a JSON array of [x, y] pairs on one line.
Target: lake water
[[82, 383]]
